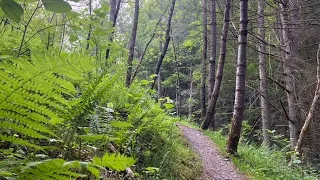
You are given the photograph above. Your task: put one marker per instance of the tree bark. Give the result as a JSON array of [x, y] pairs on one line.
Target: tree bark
[[204, 58], [210, 119], [234, 134], [190, 95], [288, 71], [114, 11], [132, 42], [159, 91], [312, 109], [90, 26], [263, 75], [213, 57], [166, 44]]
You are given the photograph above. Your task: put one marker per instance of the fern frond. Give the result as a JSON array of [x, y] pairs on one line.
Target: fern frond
[[19, 141], [21, 129], [118, 162], [36, 94], [50, 169]]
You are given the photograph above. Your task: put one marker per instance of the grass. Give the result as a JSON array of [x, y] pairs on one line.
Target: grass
[[174, 157], [260, 163]]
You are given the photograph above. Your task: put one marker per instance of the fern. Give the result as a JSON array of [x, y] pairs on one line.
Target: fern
[[50, 169], [36, 95], [118, 162]]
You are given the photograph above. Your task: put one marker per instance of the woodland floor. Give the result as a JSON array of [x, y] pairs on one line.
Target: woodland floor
[[215, 166]]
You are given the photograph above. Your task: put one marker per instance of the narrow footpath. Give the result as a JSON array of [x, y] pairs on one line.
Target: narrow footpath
[[215, 166]]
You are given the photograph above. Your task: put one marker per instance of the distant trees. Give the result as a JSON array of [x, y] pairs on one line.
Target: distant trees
[[166, 43], [209, 118]]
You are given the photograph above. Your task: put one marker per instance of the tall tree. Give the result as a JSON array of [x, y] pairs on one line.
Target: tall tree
[[132, 42], [234, 134], [204, 57], [213, 55], [263, 74], [90, 25], [209, 119], [166, 43], [290, 54], [114, 11], [312, 109]]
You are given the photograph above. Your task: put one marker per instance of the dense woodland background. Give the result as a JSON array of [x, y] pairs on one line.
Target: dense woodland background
[[86, 83]]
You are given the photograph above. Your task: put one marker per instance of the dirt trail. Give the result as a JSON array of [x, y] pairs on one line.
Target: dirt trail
[[215, 166]]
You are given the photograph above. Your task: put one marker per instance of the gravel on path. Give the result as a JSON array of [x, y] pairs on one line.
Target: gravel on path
[[215, 166]]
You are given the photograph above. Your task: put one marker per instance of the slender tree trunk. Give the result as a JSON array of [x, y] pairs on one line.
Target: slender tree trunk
[[166, 44], [204, 58], [312, 109], [90, 26], [159, 86], [263, 75], [133, 42], [114, 11], [209, 119], [288, 72], [234, 134], [134, 74], [190, 95], [212, 62], [63, 32]]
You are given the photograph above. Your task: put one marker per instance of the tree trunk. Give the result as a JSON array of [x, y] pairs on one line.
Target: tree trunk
[[209, 119], [288, 72], [132, 43], [190, 95], [159, 86], [312, 109], [114, 11], [263, 75], [212, 62], [204, 58], [166, 44], [234, 134], [90, 26]]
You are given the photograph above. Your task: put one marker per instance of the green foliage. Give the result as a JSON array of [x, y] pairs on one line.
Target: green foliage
[[114, 161], [50, 169], [58, 6], [12, 9], [32, 109], [263, 163]]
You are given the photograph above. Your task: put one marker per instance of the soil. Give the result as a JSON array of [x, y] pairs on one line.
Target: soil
[[215, 166]]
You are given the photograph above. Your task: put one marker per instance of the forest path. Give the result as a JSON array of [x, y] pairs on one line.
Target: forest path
[[215, 166]]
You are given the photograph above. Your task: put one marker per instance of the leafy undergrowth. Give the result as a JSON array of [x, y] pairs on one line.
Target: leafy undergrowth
[[58, 122], [261, 163]]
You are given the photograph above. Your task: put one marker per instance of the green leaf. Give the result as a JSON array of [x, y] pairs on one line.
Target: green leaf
[[113, 161], [121, 124], [12, 9], [94, 171], [5, 173], [92, 137], [168, 106], [58, 6]]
